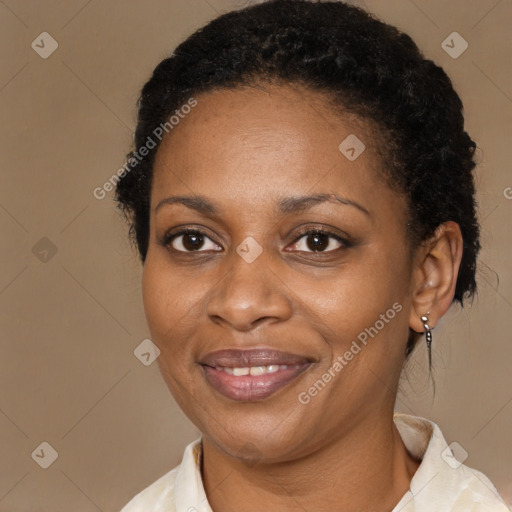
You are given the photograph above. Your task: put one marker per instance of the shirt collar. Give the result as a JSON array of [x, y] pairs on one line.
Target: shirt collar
[[441, 482]]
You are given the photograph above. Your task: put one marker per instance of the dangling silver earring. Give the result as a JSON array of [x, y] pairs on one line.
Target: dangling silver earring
[[428, 337]]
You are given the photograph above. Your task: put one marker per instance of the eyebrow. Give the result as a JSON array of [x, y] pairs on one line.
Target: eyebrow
[[286, 205]]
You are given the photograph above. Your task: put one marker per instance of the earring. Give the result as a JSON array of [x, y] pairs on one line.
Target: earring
[[428, 337]]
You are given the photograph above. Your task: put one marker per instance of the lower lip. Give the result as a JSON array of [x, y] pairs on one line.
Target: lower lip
[[250, 388]]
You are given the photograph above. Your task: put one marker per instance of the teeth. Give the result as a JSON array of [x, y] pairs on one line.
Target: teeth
[[252, 370], [240, 371]]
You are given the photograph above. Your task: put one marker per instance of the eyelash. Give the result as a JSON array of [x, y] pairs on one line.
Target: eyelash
[[345, 242]]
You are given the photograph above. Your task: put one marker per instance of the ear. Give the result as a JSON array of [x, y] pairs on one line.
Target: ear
[[435, 271]]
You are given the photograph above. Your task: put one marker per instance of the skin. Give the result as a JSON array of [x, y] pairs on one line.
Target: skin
[[244, 151]]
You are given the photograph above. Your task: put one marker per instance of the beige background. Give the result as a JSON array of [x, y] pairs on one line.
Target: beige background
[[70, 324]]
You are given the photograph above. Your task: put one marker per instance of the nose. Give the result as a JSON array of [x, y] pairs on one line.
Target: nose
[[249, 294]]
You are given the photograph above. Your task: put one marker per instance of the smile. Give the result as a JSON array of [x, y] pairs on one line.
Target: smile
[[252, 370], [251, 375]]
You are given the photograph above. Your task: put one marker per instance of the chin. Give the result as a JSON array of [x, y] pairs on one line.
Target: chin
[[257, 438]]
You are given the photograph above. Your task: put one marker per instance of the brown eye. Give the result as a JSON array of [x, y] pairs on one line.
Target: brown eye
[[318, 241], [192, 241]]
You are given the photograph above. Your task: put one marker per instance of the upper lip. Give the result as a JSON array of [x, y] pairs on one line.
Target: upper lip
[[238, 358]]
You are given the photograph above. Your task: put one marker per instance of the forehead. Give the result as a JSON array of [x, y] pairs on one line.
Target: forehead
[[250, 143]]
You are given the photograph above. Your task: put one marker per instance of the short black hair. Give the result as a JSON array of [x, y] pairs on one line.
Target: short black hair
[[366, 67]]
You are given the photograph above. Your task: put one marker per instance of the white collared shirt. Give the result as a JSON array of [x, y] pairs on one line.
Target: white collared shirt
[[440, 484]]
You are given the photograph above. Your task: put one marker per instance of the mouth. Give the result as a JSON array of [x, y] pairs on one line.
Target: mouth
[[251, 375]]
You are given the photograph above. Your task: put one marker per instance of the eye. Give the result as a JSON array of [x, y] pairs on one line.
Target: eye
[[191, 241], [318, 241]]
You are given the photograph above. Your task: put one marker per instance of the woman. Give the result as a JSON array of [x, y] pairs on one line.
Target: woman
[[301, 195]]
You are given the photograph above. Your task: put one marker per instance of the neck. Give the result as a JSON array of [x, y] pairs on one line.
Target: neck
[[368, 469]]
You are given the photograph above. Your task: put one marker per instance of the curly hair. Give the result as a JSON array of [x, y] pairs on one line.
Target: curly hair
[[365, 67]]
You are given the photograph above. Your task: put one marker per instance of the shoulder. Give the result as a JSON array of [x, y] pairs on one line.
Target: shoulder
[[158, 497], [442, 482], [176, 486]]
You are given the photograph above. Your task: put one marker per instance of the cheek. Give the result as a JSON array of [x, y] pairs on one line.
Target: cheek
[[172, 307], [157, 299], [362, 300], [170, 300]]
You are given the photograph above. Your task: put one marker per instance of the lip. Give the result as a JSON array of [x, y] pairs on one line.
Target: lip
[[251, 387]]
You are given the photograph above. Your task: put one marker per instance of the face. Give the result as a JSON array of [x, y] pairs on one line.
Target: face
[[277, 282]]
